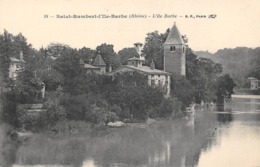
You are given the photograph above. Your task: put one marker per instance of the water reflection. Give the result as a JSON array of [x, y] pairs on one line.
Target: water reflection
[[192, 141]]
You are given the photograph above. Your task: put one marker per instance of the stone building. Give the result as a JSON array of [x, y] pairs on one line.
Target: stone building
[[174, 52]]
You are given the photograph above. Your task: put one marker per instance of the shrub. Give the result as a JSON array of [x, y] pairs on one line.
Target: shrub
[[169, 107], [99, 115]]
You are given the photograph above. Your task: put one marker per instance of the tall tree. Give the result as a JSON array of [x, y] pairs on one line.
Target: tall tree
[[108, 54], [153, 48]]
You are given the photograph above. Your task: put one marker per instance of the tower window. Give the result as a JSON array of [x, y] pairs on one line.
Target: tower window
[[183, 49], [172, 48]]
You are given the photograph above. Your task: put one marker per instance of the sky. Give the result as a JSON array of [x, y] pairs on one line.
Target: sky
[[237, 22]]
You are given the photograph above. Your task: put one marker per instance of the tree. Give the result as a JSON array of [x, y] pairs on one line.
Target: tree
[[51, 78], [57, 49], [182, 89], [86, 54], [108, 54], [125, 54], [27, 87], [224, 88], [202, 74]]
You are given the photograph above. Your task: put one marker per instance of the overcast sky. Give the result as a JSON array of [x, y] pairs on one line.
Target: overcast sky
[[237, 22]]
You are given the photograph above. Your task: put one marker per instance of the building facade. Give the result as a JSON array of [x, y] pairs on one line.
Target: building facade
[[16, 66], [155, 77], [254, 83]]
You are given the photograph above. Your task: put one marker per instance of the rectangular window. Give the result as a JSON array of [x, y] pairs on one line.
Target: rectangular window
[[152, 83]]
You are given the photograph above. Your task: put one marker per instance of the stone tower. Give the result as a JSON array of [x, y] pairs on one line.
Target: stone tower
[[174, 52]]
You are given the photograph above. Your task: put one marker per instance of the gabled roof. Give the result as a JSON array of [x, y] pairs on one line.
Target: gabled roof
[[90, 66], [12, 59], [252, 78], [134, 58], [99, 61], [174, 36]]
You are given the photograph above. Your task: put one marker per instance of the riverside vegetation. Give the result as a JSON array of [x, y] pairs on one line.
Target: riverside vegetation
[[76, 99]]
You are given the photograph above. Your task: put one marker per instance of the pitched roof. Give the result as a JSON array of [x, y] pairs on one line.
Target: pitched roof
[[12, 59], [99, 61], [90, 66], [134, 58], [174, 36], [143, 69]]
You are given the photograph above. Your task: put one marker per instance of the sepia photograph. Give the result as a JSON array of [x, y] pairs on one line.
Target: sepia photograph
[[134, 83]]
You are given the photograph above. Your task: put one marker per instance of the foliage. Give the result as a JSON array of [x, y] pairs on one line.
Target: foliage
[[51, 78], [224, 86], [87, 54], [169, 107], [153, 48], [27, 87], [8, 107], [125, 54], [182, 89], [202, 74], [235, 58], [100, 115], [108, 54], [32, 121], [54, 112]]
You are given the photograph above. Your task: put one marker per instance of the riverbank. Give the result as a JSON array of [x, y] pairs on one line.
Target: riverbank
[[246, 96]]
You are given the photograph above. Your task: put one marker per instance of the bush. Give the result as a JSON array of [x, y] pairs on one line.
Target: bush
[[169, 107], [30, 120], [99, 115], [54, 112]]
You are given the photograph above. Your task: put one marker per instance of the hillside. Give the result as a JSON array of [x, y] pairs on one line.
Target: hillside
[[240, 62]]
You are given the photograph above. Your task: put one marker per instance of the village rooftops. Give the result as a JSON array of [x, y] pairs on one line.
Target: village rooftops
[[174, 37]]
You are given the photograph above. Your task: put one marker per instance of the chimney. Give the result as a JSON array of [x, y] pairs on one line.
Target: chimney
[[138, 47], [81, 62], [21, 55], [90, 61], [109, 68], [152, 65]]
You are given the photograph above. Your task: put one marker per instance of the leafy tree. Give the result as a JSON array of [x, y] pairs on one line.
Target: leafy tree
[[153, 48], [56, 49], [87, 54], [54, 111], [182, 89], [68, 65], [27, 87], [51, 78], [224, 87], [108, 54], [202, 74], [125, 54]]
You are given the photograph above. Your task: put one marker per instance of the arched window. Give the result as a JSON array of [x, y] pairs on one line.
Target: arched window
[[172, 48]]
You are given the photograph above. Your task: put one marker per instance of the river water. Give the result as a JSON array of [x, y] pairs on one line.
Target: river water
[[211, 138]]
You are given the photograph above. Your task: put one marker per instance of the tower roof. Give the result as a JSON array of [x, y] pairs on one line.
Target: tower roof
[[99, 61], [174, 36]]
